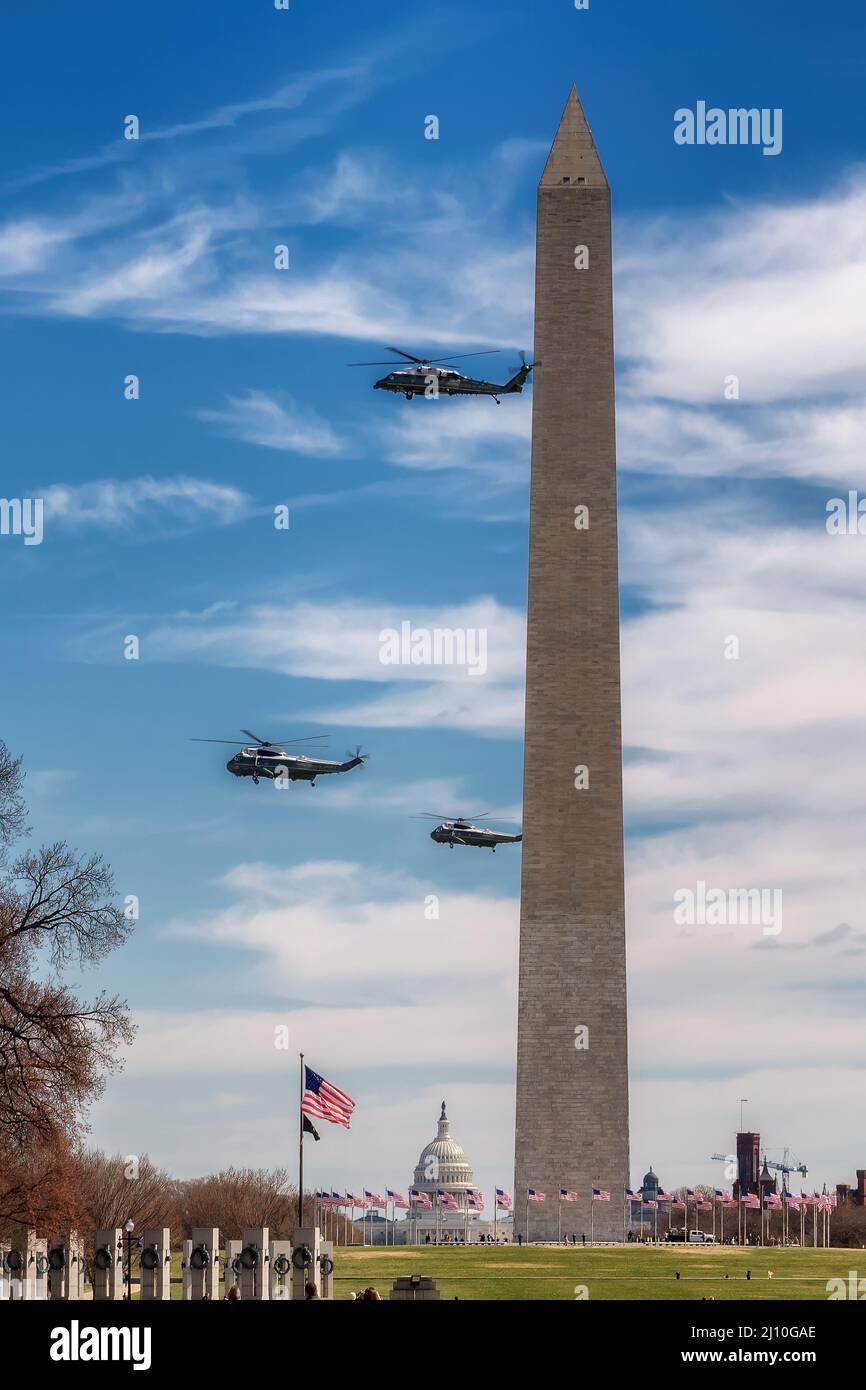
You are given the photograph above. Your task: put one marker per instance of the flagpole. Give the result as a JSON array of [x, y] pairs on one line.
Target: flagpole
[[301, 1148], [526, 1222], [495, 1213], [559, 1223]]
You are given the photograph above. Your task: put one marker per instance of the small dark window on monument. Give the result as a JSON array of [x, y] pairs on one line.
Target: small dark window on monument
[[567, 179], [581, 180]]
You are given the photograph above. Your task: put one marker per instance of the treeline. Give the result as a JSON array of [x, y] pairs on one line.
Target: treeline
[[109, 1190]]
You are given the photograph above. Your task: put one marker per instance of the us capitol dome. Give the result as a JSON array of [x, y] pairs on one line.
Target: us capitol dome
[[443, 1165]]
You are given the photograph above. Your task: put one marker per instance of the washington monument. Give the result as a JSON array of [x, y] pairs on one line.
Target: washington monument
[[572, 1057]]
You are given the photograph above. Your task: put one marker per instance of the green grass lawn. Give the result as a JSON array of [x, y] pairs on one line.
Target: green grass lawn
[[608, 1272]]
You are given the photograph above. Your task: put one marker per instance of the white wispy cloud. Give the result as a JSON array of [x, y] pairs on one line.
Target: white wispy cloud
[[257, 418], [113, 502], [773, 293]]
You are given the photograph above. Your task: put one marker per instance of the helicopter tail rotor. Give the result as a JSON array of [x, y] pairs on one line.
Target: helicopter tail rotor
[[356, 758]]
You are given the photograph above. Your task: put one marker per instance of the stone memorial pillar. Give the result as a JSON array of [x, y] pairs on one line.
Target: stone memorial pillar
[[155, 1260], [255, 1263], [204, 1263], [107, 1264]]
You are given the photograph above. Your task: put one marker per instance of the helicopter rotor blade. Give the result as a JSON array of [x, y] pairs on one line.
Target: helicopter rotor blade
[[410, 357], [235, 742], [279, 743], [459, 356]]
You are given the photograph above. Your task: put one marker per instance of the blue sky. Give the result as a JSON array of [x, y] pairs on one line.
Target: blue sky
[[258, 907]]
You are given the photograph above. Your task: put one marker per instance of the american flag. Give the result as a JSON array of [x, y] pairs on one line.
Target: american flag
[[420, 1199], [397, 1199], [446, 1199], [503, 1201], [750, 1200], [633, 1196], [718, 1193], [652, 1206], [792, 1201], [690, 1192], [600, 1194], [665, 1197], [324, 1101], [337, 1200], [702, 1205], [533, 1195], [474, 1200], [677, 1202], [772, 1200], [373, 1199], [566, 1195]]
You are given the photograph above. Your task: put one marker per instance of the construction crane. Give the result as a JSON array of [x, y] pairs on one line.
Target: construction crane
[[785, 1167]]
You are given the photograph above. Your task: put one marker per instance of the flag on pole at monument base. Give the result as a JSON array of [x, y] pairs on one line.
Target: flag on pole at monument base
[[566, 1195], [474, 1200], [719, 1194], [651, 1206], [600, 1194], [421, 1199], [322, 1100], [665, 1197], [503, 1201], [374, 1199], [446, 1199], [677, 1202], [533, 1195], [397, 1199], [632, 1196]]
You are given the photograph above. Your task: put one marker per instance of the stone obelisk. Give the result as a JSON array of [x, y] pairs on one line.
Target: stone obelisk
[[572, 1058]]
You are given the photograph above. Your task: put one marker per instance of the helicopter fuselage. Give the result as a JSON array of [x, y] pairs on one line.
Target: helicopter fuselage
[[463, 833], [291, 767], [437, 381]]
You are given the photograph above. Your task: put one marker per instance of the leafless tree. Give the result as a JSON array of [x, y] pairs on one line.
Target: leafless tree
[[119, 1188], [56, 1049]]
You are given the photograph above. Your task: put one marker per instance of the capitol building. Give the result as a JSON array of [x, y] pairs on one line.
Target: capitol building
[[442, 1166]]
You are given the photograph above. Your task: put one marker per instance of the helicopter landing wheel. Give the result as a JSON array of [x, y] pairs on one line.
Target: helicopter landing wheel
[[409, 395], [312, 781], [255, 781]]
